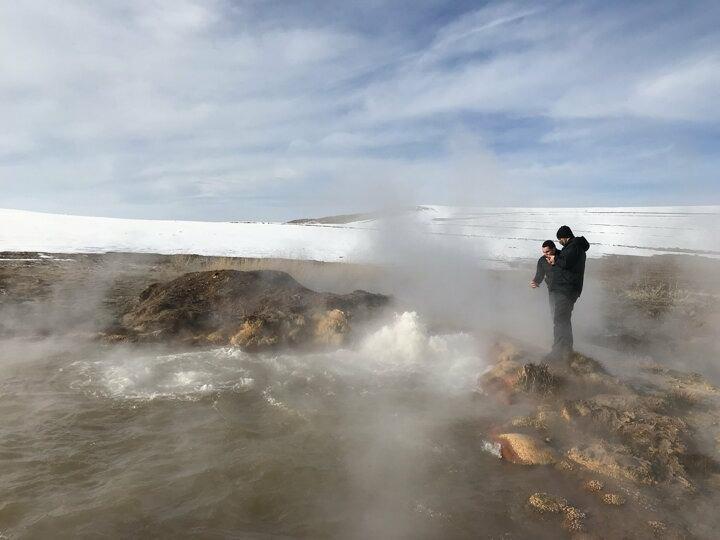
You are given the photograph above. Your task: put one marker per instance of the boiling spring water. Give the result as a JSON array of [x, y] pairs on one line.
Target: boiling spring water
[[385, 440]]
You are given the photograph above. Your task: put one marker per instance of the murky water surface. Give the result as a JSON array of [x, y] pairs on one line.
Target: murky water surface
[[383, 441]]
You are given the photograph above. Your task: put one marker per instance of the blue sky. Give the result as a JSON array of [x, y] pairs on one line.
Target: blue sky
[[273, 110]]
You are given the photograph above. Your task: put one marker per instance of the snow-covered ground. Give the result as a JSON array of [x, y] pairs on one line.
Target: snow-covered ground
[[488, 234]]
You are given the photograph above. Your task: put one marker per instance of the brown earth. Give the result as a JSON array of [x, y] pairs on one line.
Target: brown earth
[[253, 310], [640, 433], [83, 294], [636, 443], [545, 503], [525, 449], [665, 304]]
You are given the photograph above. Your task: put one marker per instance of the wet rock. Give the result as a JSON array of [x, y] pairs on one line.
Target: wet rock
[[509, 377], [331, 327], [253, 310], [527, 421], [655, 438], [544, 503], [114, 334], [540, 421], [613, 499], [254, 334], [537, 378], [574, 519], [641, 432], [525, 449], [502, 377], [547, 504], [593, 486], [609, 498], [565, 465], [668, 531], [613, 461], [534, 422], [584, 365], [682, 379]]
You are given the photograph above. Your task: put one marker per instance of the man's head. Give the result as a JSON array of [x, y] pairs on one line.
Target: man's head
[[564, 235], [548, 248]]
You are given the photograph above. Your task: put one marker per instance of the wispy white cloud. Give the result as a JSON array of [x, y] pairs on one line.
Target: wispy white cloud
[[147, 107]]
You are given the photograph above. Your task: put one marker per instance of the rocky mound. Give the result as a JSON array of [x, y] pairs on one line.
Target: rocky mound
[[627, 433], [525, 449], [254, 310], [639, 442]]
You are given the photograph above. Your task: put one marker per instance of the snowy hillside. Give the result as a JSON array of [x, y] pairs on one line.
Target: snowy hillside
[[491, 234]]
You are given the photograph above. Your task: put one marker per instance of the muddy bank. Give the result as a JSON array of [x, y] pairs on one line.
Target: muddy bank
[[44, 294], [638, 304], [254, 310], [666, 307]]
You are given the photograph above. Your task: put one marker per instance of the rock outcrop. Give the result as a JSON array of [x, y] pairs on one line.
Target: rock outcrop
[[613, 461], [615, 430], [254, 310], [642, 427], [509, 377], [573, 517], [633, 443], [525, 449]]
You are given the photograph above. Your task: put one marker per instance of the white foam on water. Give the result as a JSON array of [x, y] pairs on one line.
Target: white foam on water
[[404, 345], [403, 341], [189, 375], [492, 448]]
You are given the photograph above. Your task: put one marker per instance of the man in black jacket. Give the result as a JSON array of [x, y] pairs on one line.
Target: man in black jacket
[[568, 275]]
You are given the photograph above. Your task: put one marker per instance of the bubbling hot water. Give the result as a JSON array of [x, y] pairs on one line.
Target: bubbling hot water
[[384, 439]]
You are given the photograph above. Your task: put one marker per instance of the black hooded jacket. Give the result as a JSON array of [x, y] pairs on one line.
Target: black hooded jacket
[[570, 266]]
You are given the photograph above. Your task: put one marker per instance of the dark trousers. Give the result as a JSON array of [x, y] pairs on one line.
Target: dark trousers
[[561, 307]]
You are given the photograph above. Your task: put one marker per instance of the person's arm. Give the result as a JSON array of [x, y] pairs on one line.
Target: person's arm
[[539, 274], [568, 256]]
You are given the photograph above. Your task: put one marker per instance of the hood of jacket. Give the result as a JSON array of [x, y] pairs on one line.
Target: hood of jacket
[[581, 242]]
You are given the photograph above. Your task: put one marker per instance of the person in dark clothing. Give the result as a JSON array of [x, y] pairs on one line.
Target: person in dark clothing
[[545, 271], [544, 268], [568, 276]]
